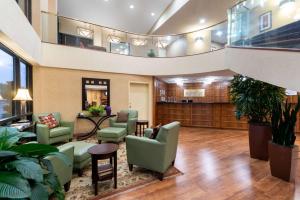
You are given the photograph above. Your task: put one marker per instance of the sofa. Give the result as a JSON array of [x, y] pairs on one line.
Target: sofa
[[62, 133], [154, 154], [130, 125]]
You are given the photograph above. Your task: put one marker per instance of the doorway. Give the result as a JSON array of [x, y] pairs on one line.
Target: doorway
[[139, 99]]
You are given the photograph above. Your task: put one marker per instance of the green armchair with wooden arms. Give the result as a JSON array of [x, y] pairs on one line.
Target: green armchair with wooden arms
[[154, 154]]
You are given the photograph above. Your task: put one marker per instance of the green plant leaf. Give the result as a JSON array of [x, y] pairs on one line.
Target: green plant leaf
[[39, 192], [27, 168], [35, 149], [12, 185]]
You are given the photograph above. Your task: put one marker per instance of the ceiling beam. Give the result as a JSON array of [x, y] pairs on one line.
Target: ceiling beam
[[171, 10]]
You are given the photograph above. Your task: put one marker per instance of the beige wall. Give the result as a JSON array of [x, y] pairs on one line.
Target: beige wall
[[60, 90]]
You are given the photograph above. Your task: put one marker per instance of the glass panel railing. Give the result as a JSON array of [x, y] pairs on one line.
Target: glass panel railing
[[71, 32], [265, 23]]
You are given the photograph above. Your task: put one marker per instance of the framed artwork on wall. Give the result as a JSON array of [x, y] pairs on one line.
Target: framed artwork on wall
[[265, 21]]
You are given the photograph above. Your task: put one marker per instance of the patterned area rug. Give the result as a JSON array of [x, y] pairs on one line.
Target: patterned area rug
[[82, 188]]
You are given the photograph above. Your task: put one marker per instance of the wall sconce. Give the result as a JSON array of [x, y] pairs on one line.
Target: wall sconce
[[199, 40], [139, 42], [114, 39], [87, 33], [162, 44]]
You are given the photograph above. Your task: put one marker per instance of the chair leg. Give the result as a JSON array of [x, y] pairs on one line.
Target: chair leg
[[80, 172], [130, 167], [173, 162], [67, 186], [161, 176]]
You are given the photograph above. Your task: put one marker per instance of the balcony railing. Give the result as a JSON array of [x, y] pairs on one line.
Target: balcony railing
[[72, 32], [265, 23]]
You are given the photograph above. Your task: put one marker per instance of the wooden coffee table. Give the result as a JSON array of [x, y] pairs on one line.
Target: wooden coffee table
[[104, 172]]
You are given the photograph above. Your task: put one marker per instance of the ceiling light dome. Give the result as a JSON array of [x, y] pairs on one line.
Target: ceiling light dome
[[286, 3]]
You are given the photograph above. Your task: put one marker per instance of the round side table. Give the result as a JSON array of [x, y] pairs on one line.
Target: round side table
[[104, 172]]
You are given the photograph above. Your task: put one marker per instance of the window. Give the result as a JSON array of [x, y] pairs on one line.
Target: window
[[25, 6], [15, 73], [6, 84], [23, 75]]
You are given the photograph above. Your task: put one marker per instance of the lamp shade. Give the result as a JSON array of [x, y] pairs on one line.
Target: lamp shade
[[23, 95], [1, 98]]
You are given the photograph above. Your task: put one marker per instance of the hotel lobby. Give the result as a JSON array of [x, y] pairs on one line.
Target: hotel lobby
[[161, 99]]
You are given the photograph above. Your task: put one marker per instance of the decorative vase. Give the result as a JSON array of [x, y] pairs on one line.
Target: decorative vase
[[108, 110]]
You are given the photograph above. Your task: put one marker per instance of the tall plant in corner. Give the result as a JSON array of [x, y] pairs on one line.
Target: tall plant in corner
[[255, 100], [283, 151]]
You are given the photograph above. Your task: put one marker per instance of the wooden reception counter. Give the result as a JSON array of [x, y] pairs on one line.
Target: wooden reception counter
[[210, 115]]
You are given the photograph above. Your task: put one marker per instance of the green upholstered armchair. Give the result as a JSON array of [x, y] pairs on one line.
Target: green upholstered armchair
[[62, 133], [154, 154], [63, 170], [130, 125]]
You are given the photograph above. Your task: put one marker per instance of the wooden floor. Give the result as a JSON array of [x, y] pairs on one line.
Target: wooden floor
[[216, 165]]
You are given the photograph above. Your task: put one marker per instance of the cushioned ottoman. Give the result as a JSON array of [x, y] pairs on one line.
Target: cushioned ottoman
[[81, 157], [111, 134]]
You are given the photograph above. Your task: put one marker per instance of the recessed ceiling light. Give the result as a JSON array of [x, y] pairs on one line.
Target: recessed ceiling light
[[152, 14], [131, 6], [202, 21], [106, 0]]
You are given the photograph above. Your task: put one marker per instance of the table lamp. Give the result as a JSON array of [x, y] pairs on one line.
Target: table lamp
[[23, 96], [1, 98]]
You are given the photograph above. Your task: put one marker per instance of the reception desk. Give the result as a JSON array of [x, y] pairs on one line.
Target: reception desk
[[208, 115]]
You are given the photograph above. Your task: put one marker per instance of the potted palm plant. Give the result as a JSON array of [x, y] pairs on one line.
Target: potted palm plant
[[255, 100], [282, 150]]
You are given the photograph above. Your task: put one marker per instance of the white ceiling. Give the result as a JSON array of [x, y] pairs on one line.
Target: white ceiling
[[115, 13], [188, 18]]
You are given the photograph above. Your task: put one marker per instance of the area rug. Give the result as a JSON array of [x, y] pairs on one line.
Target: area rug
[[82, 188]]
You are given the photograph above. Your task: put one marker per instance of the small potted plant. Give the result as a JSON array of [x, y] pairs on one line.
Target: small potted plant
[[255, 100], [151, 53], [282, 149], [96, 111]]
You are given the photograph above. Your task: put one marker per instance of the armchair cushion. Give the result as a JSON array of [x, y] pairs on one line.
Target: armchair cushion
[[59, 131], [120, 125], [122, 117]]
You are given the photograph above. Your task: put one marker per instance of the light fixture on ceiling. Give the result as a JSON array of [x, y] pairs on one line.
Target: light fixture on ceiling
[[291, 92], [287, 6], [131, 6], [209, 81], [152, 14], [113, 39], [162, 44], [87, 33], [139, 42], [179, 82], [219, 33], [202, 21]]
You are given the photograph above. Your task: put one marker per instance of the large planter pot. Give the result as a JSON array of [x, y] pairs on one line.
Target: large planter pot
[[259, 137], [283, 161]]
